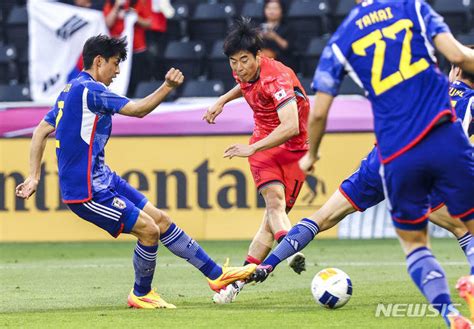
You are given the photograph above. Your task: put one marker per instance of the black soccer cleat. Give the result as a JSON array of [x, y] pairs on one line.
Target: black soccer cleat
[[261, 273], [297, 262]]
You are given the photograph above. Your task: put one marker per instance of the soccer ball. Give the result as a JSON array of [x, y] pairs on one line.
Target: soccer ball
[[331, 288]]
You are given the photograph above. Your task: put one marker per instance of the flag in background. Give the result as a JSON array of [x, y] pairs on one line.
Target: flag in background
[[57, 33]]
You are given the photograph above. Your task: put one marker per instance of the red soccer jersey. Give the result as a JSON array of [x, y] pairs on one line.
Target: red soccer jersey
[[276, 86]]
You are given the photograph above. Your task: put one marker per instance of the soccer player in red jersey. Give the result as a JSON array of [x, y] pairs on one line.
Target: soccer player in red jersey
[[279, 139]]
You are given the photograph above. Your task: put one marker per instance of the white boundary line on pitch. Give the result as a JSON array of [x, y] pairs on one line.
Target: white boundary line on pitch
[[25, 266]]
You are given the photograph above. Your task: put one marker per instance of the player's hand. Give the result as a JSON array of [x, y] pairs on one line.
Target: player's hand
[[307, 163], [239, 150], [27, 188], [212, 112], [270, 35], [174, 78]]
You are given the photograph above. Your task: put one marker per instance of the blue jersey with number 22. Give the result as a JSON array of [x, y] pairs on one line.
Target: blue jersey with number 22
[[387, 47]]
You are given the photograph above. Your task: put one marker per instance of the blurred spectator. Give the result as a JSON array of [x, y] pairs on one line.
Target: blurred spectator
[[114, 11], [156, 36], [83, 3], [91, 4], [277, 36]]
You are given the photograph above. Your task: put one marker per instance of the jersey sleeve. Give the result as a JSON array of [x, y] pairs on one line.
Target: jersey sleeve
[[101, 100], [280, 90], [329, 73], [433, 21], [51, 116]]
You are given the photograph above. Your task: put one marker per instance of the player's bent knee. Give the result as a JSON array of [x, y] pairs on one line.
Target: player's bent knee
[[163, 221], [160, 217], [151, 234], [146, 230]]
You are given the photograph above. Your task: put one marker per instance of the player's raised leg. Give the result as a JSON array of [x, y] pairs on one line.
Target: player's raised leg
[[182, 245]]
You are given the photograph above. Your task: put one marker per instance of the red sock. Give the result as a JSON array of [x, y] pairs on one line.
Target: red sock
[[280, 235], [252, 260]]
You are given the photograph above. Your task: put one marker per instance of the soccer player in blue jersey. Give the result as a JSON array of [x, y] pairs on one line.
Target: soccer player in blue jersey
[[462, 95], [82, 120], [388, 47]]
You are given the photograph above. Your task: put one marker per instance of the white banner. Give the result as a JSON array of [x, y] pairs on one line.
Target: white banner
[[120, 84], [57, 33]]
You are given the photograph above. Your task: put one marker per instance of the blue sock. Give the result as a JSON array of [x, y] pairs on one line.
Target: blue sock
[[430, 278], [144, 262], [297, 238], [180, 244], [464, 241], [470, 254]]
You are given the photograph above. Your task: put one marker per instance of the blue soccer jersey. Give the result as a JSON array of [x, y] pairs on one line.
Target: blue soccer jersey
[[387, 47], [82, 117], [364, 188], [462, 98]]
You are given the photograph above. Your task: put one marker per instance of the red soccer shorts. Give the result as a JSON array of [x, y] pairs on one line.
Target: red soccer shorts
[[280, 166]]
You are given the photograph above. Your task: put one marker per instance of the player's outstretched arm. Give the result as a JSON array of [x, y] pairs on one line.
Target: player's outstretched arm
[[288, 127], [38, 144], [142, 107], [216, 109], [316, 127], [455, 52]]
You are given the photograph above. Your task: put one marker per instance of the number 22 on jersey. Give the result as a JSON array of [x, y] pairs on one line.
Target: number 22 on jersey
[[406, 69]]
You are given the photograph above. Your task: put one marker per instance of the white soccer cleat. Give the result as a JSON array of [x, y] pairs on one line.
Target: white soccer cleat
[[297, 262], [229, 293]]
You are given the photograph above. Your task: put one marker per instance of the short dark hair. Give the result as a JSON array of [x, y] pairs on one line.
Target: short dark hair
[[104, 46], [279, 2], [243, 36], [464, 74]]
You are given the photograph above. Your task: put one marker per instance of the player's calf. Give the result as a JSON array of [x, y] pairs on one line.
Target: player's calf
[[145, 253]]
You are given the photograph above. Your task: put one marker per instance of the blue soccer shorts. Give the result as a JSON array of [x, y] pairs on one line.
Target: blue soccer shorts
[[364, 188], [442, 163], [114, 209]]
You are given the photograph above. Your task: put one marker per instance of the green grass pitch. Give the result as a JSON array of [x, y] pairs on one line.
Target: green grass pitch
[[85, 285]]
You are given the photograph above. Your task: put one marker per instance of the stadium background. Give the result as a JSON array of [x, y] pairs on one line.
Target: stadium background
[[176, 160], [179, 164]]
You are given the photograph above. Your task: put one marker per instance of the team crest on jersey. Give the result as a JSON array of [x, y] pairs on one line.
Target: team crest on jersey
[[119, 203], [279, 95]]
